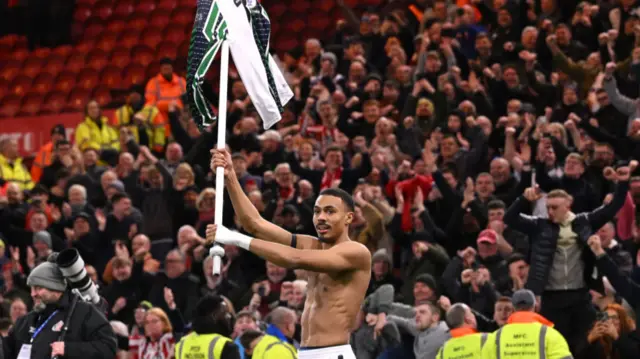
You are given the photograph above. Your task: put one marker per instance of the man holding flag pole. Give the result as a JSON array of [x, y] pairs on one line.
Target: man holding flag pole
[[338, 269]]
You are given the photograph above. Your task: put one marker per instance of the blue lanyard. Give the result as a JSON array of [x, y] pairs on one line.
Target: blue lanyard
[[35, 334]]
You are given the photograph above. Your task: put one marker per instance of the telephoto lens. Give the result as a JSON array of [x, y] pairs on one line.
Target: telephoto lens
[[72, 267]]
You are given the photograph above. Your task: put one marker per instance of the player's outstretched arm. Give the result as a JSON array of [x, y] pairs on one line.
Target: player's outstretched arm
[[247, 213], [342, 257]]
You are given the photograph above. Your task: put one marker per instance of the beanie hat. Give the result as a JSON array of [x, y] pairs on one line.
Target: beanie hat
[[42, 236], [428, 280], [47, 275], [381, 255]]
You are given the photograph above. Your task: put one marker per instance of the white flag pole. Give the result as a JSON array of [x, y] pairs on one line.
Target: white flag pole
[[217, 251]]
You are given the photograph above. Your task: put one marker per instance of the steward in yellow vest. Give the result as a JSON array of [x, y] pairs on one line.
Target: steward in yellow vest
[[263, 346], [527, 335], [138, 117], [95, 131], [212, 326], [11, 167], [465, 342]]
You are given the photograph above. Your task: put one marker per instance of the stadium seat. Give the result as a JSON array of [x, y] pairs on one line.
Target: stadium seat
[[166, 49], [20, 85], [54, 102], [116, 25], [123, 9], [107, 41], [31, 67], [299, 7], [129, 39], [145, 7], [159, 18], [142, 55], [183, 49], [10, 105], [319, 23], [168, 5], [151, 37], [64, 50], [43, 83], [321, 6], [4, 87], [295, 27], [83, 48], [103, 10], [9, 69], [82, 13], [183, 16], [77, 100], [88, 79], [138, 22], [134, 74], [53, 66], [111, 77], [75, 63], [92, 31], [276, 10], [65, 81], [102, 95], [97, 59], [5, 50], [31, 105], [177, 33], [20, 54], [120, 57], [153, 69]]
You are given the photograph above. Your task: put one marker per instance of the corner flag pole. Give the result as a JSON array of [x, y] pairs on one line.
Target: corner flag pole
[[217, 251]]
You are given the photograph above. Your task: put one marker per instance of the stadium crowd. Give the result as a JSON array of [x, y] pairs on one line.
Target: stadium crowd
[[488, 145]]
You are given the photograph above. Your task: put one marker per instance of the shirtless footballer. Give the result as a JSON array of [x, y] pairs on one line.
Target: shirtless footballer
[[338, 269]]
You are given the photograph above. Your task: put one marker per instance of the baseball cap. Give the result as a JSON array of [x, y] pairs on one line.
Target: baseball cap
[[523, 298], [270, 135], [488, 236]]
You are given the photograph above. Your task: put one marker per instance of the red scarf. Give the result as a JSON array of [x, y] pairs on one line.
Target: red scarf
[[409, 188], [286, 192], [329, 178]]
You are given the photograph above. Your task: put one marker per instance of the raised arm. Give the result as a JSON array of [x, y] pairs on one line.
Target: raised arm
[[247, 213], [340, 258]]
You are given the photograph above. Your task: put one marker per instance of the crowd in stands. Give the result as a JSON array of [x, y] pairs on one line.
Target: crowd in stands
[[485, 143]]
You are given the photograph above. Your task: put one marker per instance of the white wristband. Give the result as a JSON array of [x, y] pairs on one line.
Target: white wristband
[[226, 236]]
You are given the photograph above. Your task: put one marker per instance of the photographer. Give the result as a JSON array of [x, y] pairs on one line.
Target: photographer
[[37, 334]]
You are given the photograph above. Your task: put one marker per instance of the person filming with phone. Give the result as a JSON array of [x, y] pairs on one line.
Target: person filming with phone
[[612, 335], [562, 265]]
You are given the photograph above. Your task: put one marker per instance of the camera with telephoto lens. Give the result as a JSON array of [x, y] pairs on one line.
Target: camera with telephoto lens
[[72, 267]]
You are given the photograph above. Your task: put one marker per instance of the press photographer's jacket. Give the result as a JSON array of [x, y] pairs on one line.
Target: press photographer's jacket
[[89, 334]]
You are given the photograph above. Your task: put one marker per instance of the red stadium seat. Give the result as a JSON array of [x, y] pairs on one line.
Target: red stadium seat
[[97, 59], [20, 54], [77, 100], [319, 23], [120, 57], [183, 49], [83, 48], [116, 25], [102, 95], [65, 81], [64, 50], [123, 9], [145, 7], [88, 79], [9, 69], [10, 105], [160, 18], [4, 87], [82, 13], [177, 33], [134, 75], [9, 40], [142, 55], [75, 63], [111, 77], [20, 85], [299, 7], [151, 37], [129, 39], [321, 6], [153, 69], [138, 22], [103, 10], [54, 65], [167, 49], [276, 10], [183, 16], [295, 27], [31, 67], [31, 105], [168, 4], [43, 83], [107, 42], [92, 31], [54, 102]]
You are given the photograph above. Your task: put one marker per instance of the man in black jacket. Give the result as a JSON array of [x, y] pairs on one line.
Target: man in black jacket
[[561, 270], [37, 334]]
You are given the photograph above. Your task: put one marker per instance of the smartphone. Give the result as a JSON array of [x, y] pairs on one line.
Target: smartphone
[[602, 316], [448, 32], [261, 291]]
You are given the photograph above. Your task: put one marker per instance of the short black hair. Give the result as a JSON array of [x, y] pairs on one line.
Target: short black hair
[[343, 195], [496, 204], [249, 336], [119, 196], [5, 323], [62, 142]]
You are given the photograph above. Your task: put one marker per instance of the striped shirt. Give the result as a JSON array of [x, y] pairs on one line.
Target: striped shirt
[[141, 348]]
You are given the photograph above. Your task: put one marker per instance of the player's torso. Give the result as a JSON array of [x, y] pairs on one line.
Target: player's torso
[[331, 307]]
